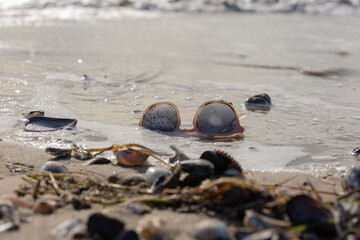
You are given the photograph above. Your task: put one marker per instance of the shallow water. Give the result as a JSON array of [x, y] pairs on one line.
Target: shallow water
[[309, 65]]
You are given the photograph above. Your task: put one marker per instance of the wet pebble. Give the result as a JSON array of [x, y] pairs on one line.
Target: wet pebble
[[65, 227], [232, 172], [138, 208], [210, 230], [153, 173], [54, 167]]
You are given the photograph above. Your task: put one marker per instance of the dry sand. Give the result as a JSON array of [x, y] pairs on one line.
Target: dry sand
[[177, 225]]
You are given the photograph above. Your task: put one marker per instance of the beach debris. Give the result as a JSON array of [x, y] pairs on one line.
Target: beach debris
[[97, 161], [103, 227], [19, 167], [129, 155], [32, 114], [179, 155], [210, 230], [54, 167], [303, 209], [356, 152], [258, 102], [153, 173], [150, 227], [46, 124], [221, 161]]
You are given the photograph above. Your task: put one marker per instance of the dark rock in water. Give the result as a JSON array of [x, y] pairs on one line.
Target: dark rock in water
[[45, 124], [356, 152], [127, 235], [54, 167], [198, 170], [33, 114], [259, 101], [101, 227], [352, 180], [303, 209]]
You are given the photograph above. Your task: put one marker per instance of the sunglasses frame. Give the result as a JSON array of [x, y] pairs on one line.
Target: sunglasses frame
[[238, 130]]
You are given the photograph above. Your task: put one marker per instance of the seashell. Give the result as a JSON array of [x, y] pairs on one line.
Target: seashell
[[150, 227], [102, 227], [198, 170], [221, 161], [352, 179], [303, 209], [100, 160], [32, 114], [43, 207], [65, 227], [130, 158], [127, 235], [45, 124], [54, 167], [47, 204], [266, 234], [153, 173], [356, 152], [258, 102], [179, 155], [210, 230]]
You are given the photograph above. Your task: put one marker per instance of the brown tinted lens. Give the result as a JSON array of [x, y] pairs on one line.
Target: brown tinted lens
[[216, 118], [162, 117]]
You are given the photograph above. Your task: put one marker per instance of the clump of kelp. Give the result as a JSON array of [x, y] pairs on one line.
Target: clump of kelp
[[214, 184]]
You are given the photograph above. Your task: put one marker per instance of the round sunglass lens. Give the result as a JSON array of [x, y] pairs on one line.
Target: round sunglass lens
[[162, 117], [216, 118]]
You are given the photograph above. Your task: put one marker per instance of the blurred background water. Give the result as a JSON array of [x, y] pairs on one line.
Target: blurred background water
[[104, 62]]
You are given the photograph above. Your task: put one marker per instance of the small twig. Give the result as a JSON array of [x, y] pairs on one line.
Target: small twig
[[36, 189]]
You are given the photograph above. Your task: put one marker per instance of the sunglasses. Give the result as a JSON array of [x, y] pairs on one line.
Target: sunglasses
[[215, 118]]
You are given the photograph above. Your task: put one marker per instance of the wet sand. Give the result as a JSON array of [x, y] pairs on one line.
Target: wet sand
[[176, 225]]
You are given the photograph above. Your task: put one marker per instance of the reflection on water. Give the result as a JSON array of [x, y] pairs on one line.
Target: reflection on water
[[132, 63]]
